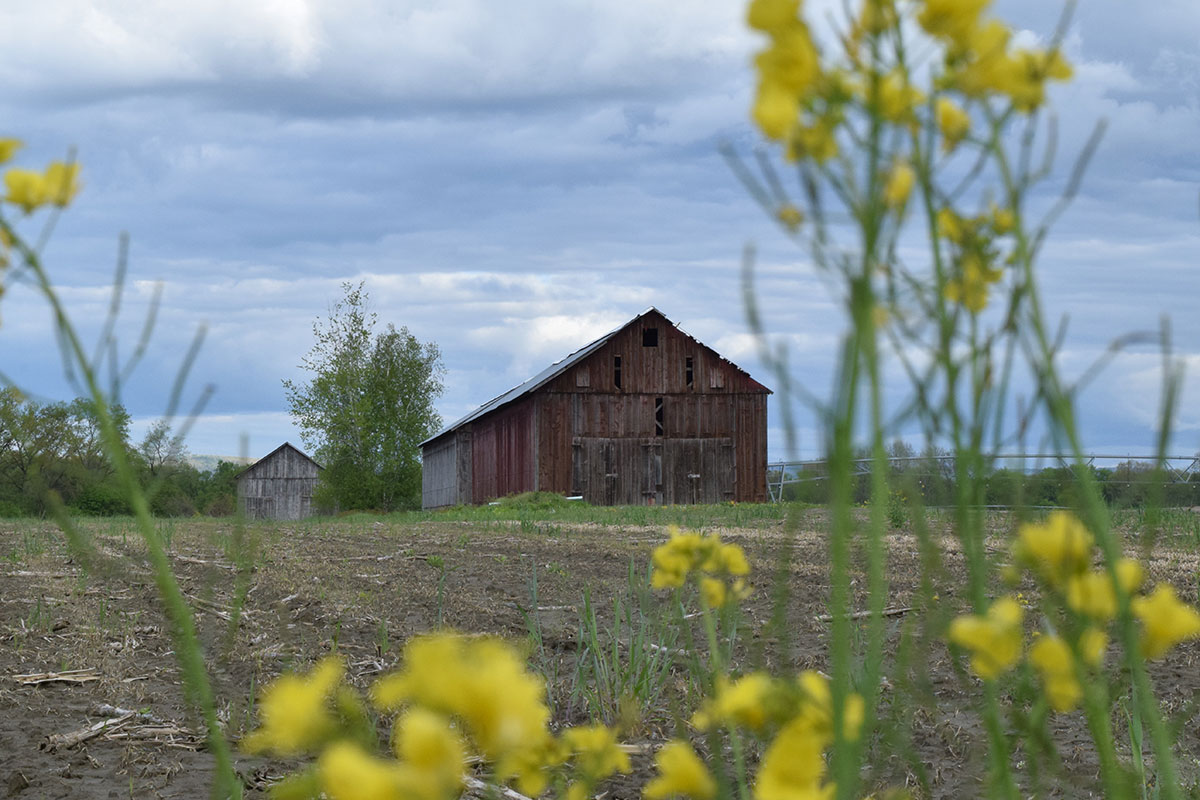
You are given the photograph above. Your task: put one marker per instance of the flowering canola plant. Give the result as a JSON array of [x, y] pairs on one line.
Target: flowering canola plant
[[27, 190], [455, 697], [1059, 554]]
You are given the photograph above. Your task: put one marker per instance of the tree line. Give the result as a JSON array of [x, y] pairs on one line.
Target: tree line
[[929, 477], [52, 453]]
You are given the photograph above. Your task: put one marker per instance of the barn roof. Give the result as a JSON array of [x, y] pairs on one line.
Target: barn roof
[[553, 371], [272, 454]]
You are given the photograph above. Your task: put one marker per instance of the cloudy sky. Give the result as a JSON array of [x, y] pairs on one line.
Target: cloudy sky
[[513, 179]]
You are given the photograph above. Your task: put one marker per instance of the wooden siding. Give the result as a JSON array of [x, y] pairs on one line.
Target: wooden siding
[[439, 473], [589, 430], [446, 471], [502, 452], [609, 471], [684, 425], [661, 369], [279, 486]]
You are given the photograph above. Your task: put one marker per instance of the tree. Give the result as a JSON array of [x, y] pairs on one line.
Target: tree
[[367, 407], [161, 450]]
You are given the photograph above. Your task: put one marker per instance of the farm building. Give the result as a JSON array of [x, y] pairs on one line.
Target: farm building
[[279, 485], [643, 415]]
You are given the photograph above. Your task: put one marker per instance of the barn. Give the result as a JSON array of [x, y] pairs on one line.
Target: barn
[[279, 485], [645, 415]]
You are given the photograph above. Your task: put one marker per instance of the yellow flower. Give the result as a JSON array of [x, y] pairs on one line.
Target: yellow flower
[[898, 98], [950, 225], [749, 702], [1092, 644], [793, 765], [1130, 574], [727, 559], [681, 773], [816, 710], [772, 15], [1058, 548], [595, 751], [481, 681], [994, 640], [981, 59], [26, 188], [791, 60], [973, 286], [685, 553], [951, 19], [775, 109], [295, 712], [1051, 656], [713, 592], [899, 185], [62, 182], [8, 147], [1166, 621], [1003, 220], [815, 142], [427, 744], [791, 217], [953, 123], [876, 17], [1092, 595], [1023, 75], [348, 773]]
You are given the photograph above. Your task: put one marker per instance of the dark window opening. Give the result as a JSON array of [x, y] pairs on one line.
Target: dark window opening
[[658, 416], [690, 372], [617, 371], [650, 337]]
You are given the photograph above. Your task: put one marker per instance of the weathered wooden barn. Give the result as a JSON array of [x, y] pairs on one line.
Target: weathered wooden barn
[[279, 485], [643, 415]]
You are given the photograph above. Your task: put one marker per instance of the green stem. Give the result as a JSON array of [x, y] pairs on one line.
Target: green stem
[[187, 644]]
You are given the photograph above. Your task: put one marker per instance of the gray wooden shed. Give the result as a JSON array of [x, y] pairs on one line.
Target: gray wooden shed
[[279, 485]]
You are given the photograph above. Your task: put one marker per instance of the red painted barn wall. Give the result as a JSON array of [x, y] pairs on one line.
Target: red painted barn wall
[[503, 452]]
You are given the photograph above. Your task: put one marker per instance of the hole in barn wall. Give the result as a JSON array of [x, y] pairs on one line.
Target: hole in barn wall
[[658, 416], [617, 371], [690, 372], [650, 337]]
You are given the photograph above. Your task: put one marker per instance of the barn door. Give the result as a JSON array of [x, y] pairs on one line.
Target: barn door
[[701, 471], [652, 474], [595, 471], [260, 508], [683, 471]]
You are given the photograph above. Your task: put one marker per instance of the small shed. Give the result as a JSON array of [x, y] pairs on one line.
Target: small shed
[[645, 414], [279, 485]]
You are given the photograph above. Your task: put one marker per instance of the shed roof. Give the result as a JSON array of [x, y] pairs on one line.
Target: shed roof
[[554, 370], [272, 454]]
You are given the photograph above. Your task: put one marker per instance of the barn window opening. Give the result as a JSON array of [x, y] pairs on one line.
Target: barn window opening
[[650, 337], [658, 416], [617, 371], [690, 372]]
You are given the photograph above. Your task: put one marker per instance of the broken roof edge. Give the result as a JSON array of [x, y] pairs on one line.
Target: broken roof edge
[[558, 367]]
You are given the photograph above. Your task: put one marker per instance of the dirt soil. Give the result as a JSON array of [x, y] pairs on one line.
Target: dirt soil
[[363, 588]]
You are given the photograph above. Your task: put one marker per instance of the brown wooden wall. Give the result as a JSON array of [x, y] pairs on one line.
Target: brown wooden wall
[[503, 453], [581, 433], [589, 430], [655, 370]]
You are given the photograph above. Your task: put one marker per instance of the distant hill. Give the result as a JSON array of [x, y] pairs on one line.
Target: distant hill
[[209, 463]]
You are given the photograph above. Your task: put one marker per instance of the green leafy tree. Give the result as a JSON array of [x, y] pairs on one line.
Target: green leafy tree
[[367, 406]]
